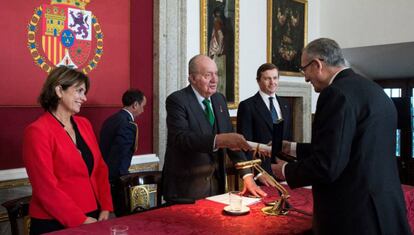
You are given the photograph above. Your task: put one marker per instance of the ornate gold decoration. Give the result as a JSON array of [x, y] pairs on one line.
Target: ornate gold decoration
[[52, 13], [140, 198], [75, 3], [14, 183], [26, 225], [154, 166]]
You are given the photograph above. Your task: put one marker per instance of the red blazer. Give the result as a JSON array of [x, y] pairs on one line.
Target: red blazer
[[61, 186]]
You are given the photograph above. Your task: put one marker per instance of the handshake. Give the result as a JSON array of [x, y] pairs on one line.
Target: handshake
[[237, 142], [232, 141]]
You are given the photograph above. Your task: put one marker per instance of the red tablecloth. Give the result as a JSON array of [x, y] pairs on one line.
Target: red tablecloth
[[207, 217], [409, 202]]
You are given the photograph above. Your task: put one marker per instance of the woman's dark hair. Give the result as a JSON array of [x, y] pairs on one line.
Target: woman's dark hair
[[60, 76]]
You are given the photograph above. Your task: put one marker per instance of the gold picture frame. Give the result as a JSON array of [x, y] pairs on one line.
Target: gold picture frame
[[287, 33], [219, 39]]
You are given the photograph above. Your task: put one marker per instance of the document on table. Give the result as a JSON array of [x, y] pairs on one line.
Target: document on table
[[224, 199]]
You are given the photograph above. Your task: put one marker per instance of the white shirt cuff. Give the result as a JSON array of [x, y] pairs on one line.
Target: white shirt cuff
[[257, 176], [283, 169], [248, 174], [214, 144], [293, 149]]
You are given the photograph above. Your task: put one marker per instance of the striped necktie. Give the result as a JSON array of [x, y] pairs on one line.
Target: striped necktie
[[273, 110]]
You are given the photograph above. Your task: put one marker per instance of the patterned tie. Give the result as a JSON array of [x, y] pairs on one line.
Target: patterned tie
[[136, 136], [208, 111], [273, 110]]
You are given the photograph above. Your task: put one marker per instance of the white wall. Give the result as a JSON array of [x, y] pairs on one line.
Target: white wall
[[353, 23], [252, 39], [356, 23], [193, 28], [253, 47], [252, 44]]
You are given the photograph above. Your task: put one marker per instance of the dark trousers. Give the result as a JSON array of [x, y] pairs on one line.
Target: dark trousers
[[117, 195], [41, 226]]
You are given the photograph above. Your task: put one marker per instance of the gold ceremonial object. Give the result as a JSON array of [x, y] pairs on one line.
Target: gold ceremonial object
[[140, 197], [280, 206]]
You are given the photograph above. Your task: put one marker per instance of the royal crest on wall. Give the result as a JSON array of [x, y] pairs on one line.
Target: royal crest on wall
[[65, 33]]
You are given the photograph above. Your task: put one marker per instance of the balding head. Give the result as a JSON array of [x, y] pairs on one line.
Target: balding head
[[193, 64], [203, 75]]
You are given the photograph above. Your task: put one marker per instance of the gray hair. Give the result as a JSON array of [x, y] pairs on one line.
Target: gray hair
[[326, 49], [192, 64]]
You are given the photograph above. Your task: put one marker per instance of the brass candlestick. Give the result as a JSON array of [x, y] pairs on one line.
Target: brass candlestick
[[280, 206]]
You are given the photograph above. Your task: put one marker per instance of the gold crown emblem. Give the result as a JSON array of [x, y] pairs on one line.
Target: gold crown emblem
[[74, 3]]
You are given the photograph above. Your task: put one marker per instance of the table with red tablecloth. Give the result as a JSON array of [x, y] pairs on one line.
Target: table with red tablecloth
[[207, 217]]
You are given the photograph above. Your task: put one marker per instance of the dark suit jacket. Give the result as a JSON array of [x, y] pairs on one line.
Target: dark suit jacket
[[190, 164], [117, 141], [351, 161], [254, 122]]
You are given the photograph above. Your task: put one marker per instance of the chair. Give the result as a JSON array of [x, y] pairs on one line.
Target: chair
[[137, 189], [18, 209]]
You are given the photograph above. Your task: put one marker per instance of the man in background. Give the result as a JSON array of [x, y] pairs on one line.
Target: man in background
[[350, 161], [257, 114], [199, 136], [119, 140]]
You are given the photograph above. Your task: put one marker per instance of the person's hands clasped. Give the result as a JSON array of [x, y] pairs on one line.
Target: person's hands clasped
[[104, 215], [251, 186], [232, 141]]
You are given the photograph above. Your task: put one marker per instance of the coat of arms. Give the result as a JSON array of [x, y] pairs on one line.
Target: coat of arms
[[65, 33]]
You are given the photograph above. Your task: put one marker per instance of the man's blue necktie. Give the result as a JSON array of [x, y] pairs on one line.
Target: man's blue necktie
[[273, 110]]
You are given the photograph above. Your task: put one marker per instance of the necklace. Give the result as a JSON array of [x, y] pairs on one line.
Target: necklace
[[68, 128], [60, 120]]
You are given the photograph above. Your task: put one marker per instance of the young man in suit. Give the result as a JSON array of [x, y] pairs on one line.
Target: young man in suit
[[350, 162], [199, 131], [257, 114], [118, 140]]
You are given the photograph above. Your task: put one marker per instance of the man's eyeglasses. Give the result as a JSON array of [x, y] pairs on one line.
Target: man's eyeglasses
[[302, 69]]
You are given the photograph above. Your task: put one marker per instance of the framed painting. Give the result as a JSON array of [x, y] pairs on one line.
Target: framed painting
[[219, 37], [287, 34]]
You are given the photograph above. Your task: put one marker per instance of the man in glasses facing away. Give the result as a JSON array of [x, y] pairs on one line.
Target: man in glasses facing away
[[350, 161]]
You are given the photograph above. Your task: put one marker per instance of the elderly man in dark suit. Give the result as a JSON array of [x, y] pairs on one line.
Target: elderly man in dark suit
[[350, 161], [257, 114], [118, 140], [199, 131]]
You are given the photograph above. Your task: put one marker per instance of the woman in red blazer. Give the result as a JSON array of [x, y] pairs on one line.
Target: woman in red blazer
[[68, 175]]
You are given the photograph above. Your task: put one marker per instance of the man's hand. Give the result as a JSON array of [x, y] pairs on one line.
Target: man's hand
[[265, 180], [104, 215], [286, 147], [277, 169], [250, 185], [232, 141]]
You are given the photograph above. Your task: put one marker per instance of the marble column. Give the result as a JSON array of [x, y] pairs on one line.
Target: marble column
[[170, 63]]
